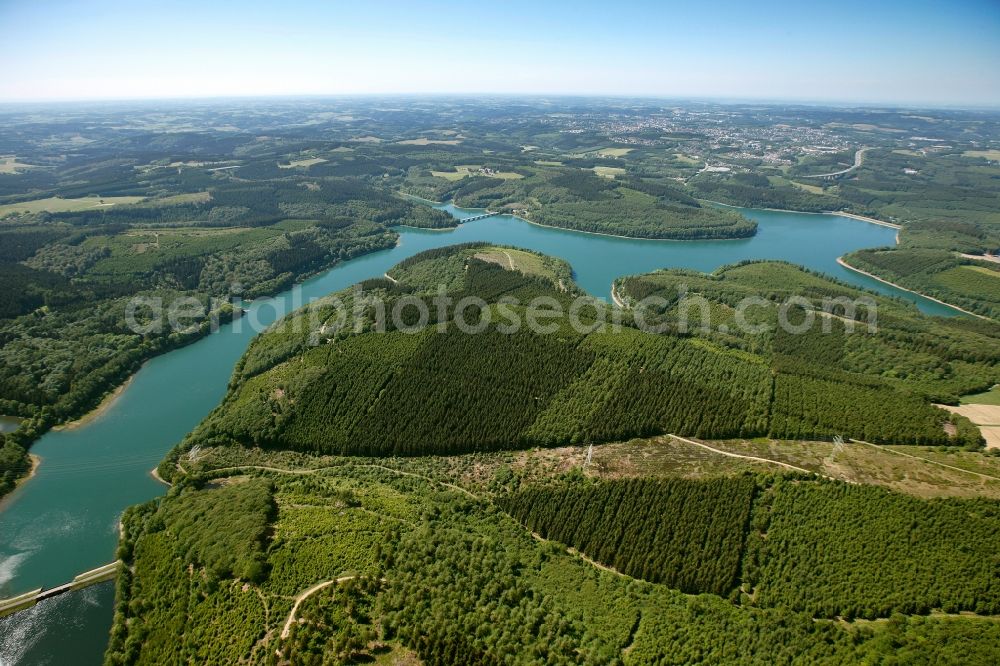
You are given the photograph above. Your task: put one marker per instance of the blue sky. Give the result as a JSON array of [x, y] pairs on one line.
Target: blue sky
[[921, 52]]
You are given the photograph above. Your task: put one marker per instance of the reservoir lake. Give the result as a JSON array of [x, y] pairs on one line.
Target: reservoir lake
[[64, 520]]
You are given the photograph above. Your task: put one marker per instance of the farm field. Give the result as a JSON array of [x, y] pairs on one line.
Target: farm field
[[464, 171], [59, 205], [10, 164]]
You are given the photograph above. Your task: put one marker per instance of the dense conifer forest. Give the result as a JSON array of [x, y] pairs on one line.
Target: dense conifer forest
[[438, 389]]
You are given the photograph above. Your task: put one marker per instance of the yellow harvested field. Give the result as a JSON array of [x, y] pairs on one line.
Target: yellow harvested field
[[58, 205], [424, 141], [608, 172], [992, 436], [978, 414], [10, 164], [303, 163], [615, 152], [987, 417], [987, 154], [463, 170]]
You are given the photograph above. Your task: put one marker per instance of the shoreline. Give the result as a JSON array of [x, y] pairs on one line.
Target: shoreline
[[410, 226], [106, 403], [36, 462], [840, 260], [853, 216], [638, 238], [579, 231], [614, 297], [156, 475]]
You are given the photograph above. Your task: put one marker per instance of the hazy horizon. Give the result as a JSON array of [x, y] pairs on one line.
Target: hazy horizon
[[913, 54], [534, 96]]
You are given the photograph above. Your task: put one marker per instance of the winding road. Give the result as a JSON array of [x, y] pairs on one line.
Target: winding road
[[859, 158]]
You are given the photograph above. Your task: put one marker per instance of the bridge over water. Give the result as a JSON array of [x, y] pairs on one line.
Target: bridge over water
[[489, 213], [86, 579]]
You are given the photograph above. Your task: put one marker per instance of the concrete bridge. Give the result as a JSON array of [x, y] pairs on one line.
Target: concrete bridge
[[859, 158], [28, 599], [489, 213]]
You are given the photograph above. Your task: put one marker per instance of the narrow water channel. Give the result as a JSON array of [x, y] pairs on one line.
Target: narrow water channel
[[64, 520]]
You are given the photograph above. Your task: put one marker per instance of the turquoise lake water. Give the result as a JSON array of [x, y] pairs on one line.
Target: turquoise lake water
[[64, 520]]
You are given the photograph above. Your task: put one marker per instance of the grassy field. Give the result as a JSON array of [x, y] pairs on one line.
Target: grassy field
[[987, 154], [424, 141], [548, 163], [58, 205], [851, 462], [608, 172], [991, 397], [614, 152], [924, 475], [303, 163], [812, 189], [526, 262], [177, 199], [687, 159], [967, 460], [10, 164]]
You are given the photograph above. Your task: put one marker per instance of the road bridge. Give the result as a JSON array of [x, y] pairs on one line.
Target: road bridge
[[87, 578]]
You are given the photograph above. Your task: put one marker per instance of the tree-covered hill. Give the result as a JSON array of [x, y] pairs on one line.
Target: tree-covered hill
[[963, 281], [360, 560], [430, 387]]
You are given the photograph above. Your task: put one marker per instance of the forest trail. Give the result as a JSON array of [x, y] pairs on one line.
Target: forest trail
[[744, 457], [314, 470], [928, 460], [302, 596], [577, 553]]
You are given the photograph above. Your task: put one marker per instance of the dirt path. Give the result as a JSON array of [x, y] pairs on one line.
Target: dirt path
[[933, 462], [744, 457], [576, 553], [302, 596], [981, 257]]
